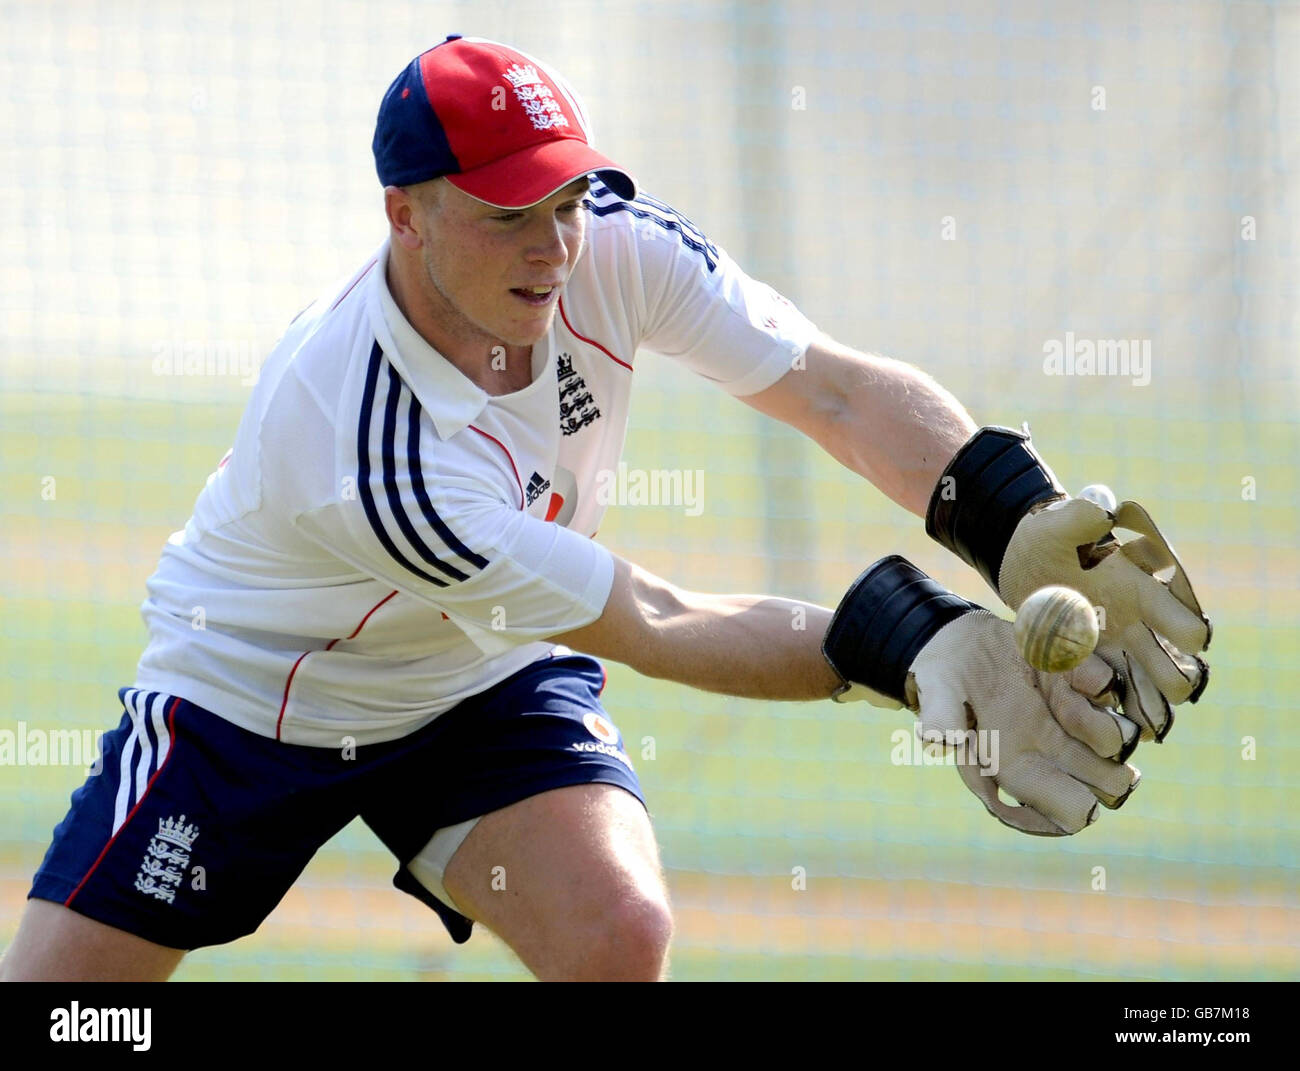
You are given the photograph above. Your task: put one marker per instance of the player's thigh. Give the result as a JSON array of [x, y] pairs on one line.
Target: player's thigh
[[564, 875], [187, 833], [55, 944]]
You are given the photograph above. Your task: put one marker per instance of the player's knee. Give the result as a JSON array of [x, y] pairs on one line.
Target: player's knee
[[628, 941]]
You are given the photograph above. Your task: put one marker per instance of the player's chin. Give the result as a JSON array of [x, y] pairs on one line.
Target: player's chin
[[525, 329]]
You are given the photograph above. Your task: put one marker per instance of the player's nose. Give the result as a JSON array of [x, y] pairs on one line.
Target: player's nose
[[547, 243]]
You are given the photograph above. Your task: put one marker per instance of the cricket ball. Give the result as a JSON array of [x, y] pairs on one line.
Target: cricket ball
[[1101, 495], [1056, 629]]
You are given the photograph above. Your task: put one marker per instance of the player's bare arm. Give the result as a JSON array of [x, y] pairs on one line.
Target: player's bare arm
[[886, 420], [753, 646]]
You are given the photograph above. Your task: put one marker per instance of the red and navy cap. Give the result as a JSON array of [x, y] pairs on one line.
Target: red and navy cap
[[502, 126]]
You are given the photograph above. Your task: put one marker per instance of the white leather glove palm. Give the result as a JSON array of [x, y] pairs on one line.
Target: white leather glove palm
[[1046, 745], [1046, 739], [1153, 627], [1000, 509]]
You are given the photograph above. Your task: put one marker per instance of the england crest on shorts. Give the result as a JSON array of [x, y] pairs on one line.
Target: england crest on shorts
[[166, 859]]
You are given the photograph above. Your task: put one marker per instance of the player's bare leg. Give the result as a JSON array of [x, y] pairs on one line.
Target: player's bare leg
[[55, 944], [583, 896]]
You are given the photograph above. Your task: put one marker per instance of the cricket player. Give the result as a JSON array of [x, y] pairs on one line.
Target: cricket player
[[389, 600]]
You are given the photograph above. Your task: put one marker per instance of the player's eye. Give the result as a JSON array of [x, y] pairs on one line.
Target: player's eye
[[571, 209], [508, 217]]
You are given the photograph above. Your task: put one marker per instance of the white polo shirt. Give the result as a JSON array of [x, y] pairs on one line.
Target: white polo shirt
[[385, 538]]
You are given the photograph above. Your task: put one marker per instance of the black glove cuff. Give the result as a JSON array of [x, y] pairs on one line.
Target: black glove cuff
[[886, 617], [994, 480]]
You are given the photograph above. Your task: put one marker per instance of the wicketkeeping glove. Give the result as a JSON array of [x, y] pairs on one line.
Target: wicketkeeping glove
[[1000, 509], [899, 638]]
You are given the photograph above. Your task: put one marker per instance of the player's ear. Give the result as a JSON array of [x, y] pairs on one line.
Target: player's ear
[[405, 216]]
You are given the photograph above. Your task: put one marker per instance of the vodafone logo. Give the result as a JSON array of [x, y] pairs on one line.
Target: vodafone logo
[[600, 728], [603, 730]]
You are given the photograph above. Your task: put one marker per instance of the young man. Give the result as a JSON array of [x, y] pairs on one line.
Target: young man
[[374, 608]]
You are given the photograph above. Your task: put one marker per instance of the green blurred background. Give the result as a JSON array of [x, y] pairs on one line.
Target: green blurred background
[[193, 175]]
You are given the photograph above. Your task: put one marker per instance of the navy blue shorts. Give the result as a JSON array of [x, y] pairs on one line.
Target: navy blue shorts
[[195, 829]]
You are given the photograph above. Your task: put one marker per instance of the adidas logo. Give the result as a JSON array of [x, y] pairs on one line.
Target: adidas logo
[[536, 485]]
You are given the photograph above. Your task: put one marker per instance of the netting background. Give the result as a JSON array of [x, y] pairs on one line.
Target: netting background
[[935, 181]]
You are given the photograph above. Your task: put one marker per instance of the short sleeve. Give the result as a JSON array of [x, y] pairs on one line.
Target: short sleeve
[[704, 311], [500, 573]]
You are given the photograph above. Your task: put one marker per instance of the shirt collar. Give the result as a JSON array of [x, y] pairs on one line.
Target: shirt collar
[[450, 398]]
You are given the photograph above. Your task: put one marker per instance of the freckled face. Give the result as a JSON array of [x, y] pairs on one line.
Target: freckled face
[[496, 274]]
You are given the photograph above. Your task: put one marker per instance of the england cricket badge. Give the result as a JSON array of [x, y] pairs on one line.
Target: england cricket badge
[[166, 859], [577, 405]]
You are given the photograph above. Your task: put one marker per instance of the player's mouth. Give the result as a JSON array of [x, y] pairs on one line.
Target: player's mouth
[[537, 296]]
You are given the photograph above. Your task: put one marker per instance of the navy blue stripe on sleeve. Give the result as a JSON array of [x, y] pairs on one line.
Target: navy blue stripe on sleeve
[[422, 495], [389, 451], [363, 471]]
